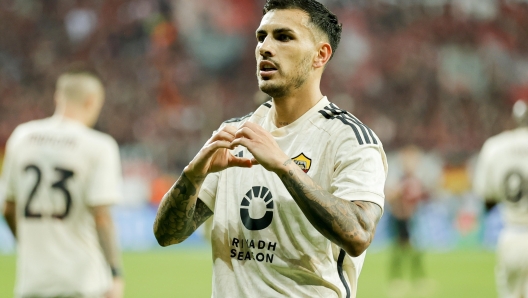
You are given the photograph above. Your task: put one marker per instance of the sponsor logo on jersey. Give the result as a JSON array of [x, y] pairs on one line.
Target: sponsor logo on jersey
[[251, 249], [257, 198], [303, 161], [257, 195]]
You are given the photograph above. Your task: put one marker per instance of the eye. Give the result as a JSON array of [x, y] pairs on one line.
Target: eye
[[261, 37], [284, 37]]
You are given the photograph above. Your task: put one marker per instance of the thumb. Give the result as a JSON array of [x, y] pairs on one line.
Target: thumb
[[254, 162]]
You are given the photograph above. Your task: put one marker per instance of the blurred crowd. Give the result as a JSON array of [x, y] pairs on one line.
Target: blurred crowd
[[441, 74]]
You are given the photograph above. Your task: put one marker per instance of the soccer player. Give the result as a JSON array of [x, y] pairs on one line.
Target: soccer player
[[501, 175], [62, 176], [405, 189], [296, 187]]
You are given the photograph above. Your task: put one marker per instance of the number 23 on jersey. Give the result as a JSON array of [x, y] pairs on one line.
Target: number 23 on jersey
[[59, 184]]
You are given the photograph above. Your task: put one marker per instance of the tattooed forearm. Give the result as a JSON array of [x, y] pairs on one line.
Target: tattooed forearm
[[180, 213], [350, 225]]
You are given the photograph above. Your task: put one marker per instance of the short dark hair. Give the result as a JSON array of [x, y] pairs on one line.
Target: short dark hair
[[320, 16]]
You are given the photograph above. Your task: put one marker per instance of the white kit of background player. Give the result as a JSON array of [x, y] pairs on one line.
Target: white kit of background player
[[57, 170], [501, 175]]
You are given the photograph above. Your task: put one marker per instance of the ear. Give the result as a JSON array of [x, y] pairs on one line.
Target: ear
[[324, 54]]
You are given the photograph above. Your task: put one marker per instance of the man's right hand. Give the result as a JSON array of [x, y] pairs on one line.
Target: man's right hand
[[215, 156]]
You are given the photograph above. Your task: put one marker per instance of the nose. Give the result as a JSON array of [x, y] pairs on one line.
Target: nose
[[265, 48]]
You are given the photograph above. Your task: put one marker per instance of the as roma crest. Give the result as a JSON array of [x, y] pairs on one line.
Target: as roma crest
[[303, 162]]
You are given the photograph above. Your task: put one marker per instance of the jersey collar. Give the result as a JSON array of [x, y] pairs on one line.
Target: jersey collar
[[285, 130]]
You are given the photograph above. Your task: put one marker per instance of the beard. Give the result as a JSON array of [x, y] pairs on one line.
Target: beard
[[289, 83]]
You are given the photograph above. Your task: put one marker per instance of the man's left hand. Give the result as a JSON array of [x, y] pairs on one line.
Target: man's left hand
[[262, 145]]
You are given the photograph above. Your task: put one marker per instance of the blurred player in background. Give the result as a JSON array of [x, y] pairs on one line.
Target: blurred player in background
[[62, 177], [404, 192], [297, 186], [501, 175]]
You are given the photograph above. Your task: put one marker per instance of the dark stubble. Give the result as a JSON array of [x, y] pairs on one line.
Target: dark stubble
[[295, 80]]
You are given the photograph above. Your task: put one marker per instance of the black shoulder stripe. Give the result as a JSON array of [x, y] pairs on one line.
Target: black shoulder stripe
[[232, 120], [364, 129], [267, 104], [326, 115], [356, 132], [363, 133]]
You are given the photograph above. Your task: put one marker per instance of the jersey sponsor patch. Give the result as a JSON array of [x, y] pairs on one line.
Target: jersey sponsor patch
[[363, 133], [303, 161], [257, 195], [251, 249]]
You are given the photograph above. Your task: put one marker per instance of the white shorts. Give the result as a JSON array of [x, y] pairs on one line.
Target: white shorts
[[512, 263]]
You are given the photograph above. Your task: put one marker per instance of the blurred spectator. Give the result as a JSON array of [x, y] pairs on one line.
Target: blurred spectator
[[437, 73], [441, 74]]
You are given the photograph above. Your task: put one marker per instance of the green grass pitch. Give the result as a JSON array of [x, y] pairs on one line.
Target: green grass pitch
[[187, 273]]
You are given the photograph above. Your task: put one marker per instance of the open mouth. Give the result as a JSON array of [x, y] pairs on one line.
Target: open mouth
[[267, 68]]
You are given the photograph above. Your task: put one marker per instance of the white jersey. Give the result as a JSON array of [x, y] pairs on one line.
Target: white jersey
[[263, 244], [502, 174], [55, 170]]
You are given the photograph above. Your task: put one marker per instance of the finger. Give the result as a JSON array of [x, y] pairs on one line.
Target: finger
[[254, 162], [241, 142], [245, 132], [222, 135], [218, 144], [239, 162], [230, 129], [253, 126], [210, 149]]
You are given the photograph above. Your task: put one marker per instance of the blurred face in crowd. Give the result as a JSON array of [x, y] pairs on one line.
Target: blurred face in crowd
[[286, 49]]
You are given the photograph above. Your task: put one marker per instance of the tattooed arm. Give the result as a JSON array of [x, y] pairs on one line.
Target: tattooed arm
[[180, 212], [351, 225]]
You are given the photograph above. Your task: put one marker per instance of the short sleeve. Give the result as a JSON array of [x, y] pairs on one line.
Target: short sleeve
[[359, 172], [208, 190], [104, 185]]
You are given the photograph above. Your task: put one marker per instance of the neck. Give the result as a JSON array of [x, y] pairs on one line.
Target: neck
[[71, 113], [293, 105]]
